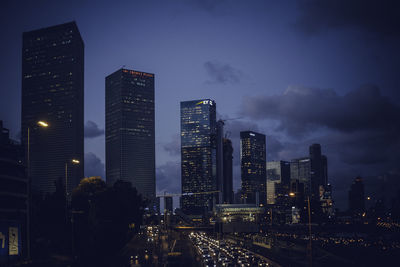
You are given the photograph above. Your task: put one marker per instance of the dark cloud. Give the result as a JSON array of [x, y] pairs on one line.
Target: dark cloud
[[222, 73], [94, 166], [378, 17], [92, 130], [169, 177], [174, 147], [303, 110]]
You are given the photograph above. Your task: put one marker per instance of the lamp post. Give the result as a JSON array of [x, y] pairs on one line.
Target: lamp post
[[42, 124], [75, 162]]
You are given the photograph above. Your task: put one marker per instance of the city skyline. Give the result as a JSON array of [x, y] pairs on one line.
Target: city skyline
[[234, 81]]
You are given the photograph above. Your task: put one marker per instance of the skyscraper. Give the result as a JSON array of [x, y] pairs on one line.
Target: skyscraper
[[300, 171], [356, 197], [168, 204], [253, 169], [228, 171], [198, 155], [319, 169], [278, 179], [220, 161], [52, 91], [130, 136]]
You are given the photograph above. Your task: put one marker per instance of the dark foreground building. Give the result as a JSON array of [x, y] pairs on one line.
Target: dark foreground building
[[52, 91], [13, 200], [198, 155], [130, 135]]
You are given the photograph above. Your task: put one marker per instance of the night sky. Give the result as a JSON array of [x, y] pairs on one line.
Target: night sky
[[300, 72]]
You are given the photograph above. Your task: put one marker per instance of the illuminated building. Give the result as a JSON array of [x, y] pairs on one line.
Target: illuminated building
[[278, 178], [198, 155], [130, 137], [53, 91], [13, 199], [242, 218], [228, 171], [253, 169]]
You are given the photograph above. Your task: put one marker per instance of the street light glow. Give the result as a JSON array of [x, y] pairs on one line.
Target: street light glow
[[43, 123], [75, 161], [291, 194]]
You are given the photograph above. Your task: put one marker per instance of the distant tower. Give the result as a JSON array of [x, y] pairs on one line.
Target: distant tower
[[168, 204], [52, 91], [278, 179], [300, 171], [253, 169], [198, 154], [130, 136], [319, 169], [356, 197], [228, 173]]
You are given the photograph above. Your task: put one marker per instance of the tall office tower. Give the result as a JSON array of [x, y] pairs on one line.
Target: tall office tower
[[253, 170], [300, 170], [220, 161], [324, 170], [228, 171], [356, 197], [168, 204], [198, 155], [278, 180], [52, 91], [319, 169], [130, 137]]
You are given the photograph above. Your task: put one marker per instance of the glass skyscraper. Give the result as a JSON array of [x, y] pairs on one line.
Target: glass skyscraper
[[130, 136], [52, 91], [253, 169], [198, 155]]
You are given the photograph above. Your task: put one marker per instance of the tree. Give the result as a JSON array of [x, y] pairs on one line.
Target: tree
[[104, 218]]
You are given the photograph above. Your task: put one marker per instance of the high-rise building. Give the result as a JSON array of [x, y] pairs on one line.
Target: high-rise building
[[300, 170], [278, 180], [168, 204], [228, 171], [324, 162], [356, 197], [198, 155], [130, 137], [52, 91], [220, 161], [319, 169], [253, 169]]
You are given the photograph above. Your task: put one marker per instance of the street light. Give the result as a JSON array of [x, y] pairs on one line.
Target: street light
[[73, 161], [42, 124]]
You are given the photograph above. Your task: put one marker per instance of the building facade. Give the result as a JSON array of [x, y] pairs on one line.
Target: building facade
[[357, 197], [130, 133], [253, 167], [300, 170], [52, 91], [13, 200], [228, 171], [198, 155]]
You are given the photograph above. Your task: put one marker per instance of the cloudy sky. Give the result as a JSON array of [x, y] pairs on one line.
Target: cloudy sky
[[298, 71]]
